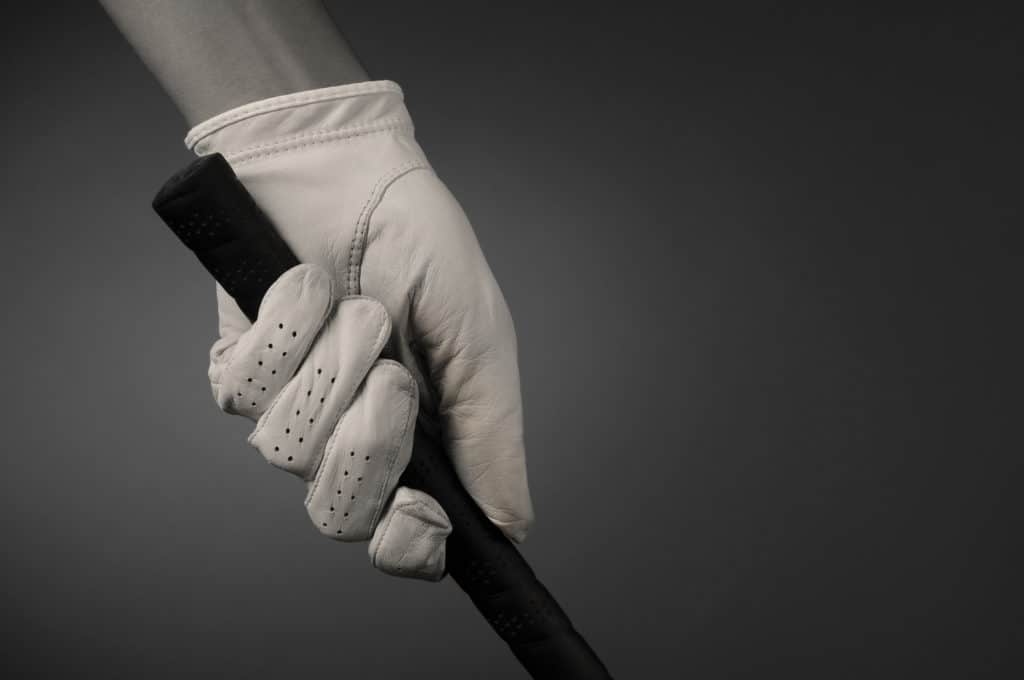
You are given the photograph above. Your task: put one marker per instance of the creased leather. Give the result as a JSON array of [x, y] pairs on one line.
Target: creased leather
[[393, 269]]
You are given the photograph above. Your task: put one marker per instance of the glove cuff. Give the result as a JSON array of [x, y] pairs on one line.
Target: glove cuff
[[301, 119]]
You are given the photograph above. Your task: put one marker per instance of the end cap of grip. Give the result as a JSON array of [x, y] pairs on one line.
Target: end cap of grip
[[209, 210]]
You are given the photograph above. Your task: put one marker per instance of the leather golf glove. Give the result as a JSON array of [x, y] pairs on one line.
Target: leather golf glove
[[394, 315]]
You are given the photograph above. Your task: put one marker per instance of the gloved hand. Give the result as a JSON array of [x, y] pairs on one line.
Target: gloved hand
[[391, 268]]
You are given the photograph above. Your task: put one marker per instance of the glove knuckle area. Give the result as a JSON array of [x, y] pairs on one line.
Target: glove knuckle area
[[410, 539], [365, 455], [266, 355]]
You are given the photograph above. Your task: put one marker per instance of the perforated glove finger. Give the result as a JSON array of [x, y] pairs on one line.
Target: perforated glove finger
[[332, 413], [295, 430], [359, 470], [367, 451], [249, 365]]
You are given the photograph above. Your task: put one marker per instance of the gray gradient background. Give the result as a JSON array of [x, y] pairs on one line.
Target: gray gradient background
[[762, 273]]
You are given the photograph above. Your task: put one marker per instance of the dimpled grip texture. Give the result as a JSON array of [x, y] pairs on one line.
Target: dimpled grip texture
[[211, 212], [207, 207]]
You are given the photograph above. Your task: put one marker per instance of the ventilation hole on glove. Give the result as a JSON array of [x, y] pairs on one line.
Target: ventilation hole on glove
[[294, 334], [239, 394], [310, 421], [359, 479], [248, 379], [351, 453], [280, 325], [263, 389], [277, 448], [284, 354], [309, 393], [270, 345], [298, 412], [332, 508], [287, 430], [321, 400], [324, 523], [289, 457], [367, 458], [353, 497], [339, 492], [338, 531], [274, 372], [332, 380], [300, 440], [260, 363], [346, 514], [254, 403], [346, 473], [319, 371]]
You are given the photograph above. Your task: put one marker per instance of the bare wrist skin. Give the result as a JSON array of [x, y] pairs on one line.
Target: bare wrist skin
[[214, 56]]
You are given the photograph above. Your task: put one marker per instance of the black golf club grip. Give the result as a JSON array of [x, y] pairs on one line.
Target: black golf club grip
[[207, 207]]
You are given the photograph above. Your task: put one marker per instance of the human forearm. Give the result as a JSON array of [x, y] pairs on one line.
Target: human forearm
[[213, 56]]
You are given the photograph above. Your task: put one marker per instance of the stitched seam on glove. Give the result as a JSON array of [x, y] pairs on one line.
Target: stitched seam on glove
[[274, 148], [355, 255], [287, 101], [353, 130]]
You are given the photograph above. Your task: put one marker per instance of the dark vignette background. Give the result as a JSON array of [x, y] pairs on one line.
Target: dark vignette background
[[762, 272]]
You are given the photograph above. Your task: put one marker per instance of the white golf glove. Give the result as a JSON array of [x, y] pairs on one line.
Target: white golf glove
[[391, 265]]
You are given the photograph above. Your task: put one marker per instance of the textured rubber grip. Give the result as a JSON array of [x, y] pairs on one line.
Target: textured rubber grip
[[211, 212]]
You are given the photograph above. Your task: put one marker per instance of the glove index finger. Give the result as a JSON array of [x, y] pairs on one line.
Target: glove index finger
[[266, 355]]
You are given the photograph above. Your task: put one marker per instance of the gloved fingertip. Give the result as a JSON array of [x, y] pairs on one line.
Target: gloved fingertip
[[509, 507], [516, 531], [304, 284], [410, 540]]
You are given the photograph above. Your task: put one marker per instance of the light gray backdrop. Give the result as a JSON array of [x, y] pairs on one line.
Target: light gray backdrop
[[762, 273]]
